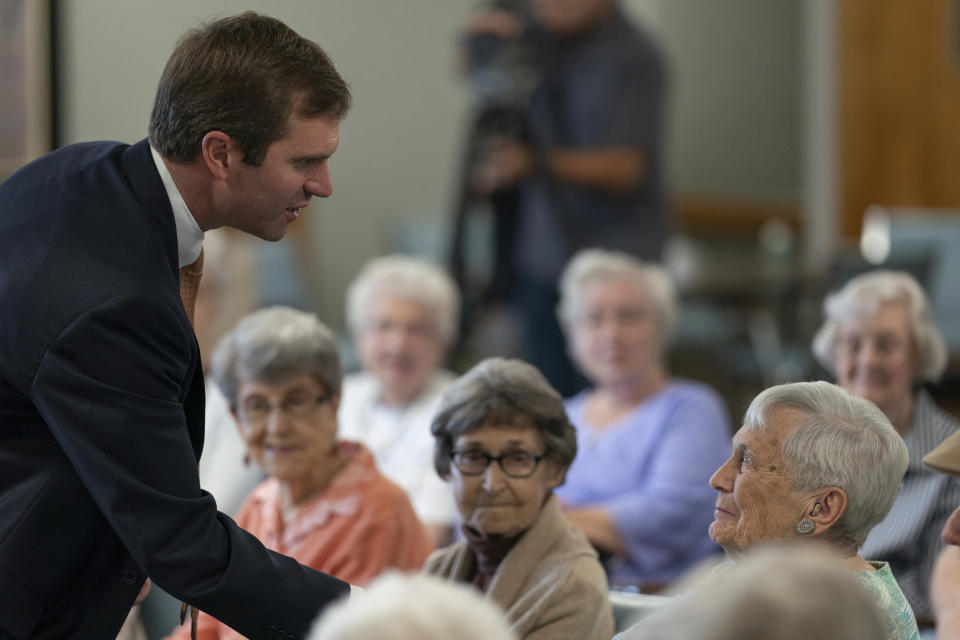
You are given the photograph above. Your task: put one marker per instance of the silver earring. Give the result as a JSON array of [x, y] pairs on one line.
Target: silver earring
[[806, 526]]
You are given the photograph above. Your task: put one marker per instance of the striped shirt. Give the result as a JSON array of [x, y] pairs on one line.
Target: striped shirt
[[909, 537]]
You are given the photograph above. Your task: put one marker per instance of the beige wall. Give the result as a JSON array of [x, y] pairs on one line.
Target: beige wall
[[734, 65]]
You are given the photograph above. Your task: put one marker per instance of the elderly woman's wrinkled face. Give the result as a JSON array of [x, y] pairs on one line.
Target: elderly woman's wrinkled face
[[615, 336], [290, 427], [492, 502], [874, 356], [755, 502], [400, 346]]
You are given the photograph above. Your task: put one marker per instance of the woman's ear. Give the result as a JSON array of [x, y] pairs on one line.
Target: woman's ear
[[555, 474], [827, 508]]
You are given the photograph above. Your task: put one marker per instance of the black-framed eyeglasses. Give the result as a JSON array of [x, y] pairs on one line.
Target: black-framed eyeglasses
[[516, 464], [256, 410]]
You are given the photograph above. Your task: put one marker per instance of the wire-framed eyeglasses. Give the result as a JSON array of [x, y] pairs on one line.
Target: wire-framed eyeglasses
[[515, 464], [256, 410]]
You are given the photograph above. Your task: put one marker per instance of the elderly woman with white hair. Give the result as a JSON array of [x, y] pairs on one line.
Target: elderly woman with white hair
[[403, 314], [324, 502], [779, 592], [813, 464], [648, 442], [413, 607], [879, 340]]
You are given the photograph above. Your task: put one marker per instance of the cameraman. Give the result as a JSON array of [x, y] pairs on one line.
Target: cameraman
[[587, 168]]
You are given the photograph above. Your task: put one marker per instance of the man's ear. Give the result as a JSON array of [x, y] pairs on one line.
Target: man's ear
[[827, 507], [215, 151]]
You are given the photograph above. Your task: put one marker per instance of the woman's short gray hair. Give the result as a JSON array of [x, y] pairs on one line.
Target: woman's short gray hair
[[504, 392], [845, 442], [863, 295], [273, 344], [592, 265], [406, 278]]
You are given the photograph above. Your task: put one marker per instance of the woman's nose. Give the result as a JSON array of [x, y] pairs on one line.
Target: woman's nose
[[493, 477], [720, 480], [277, 420]]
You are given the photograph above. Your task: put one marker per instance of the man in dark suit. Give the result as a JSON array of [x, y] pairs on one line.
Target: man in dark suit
[[101, 393]]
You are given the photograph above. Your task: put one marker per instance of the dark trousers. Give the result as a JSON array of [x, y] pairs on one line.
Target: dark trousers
[[544, 344]]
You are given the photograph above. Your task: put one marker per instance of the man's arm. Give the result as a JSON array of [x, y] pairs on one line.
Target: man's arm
[[111, 389], [615, 170]]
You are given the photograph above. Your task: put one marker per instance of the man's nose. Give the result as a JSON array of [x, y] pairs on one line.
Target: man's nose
[[319, 184]]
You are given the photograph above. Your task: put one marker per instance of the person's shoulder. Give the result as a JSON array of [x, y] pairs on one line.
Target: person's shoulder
[[943, 422], [682, 390], [357, 381], [380, 493], [356, 391], [575, 402], [441, 561], [64, 166], [635, 41]]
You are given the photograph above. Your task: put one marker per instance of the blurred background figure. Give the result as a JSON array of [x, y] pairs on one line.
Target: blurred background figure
[[879, 339], [776, 592], [413, 607], [647, 443], [814, 464], [403, 313], [504, 440], [573, 162], [324, 502]]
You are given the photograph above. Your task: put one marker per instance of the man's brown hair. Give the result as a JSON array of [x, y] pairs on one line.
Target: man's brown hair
[[243, 75]]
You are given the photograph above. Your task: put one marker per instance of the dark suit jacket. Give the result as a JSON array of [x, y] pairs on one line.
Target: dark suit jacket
[[101, 417]]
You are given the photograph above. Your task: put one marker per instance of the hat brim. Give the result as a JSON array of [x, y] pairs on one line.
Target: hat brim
[[945, 458]]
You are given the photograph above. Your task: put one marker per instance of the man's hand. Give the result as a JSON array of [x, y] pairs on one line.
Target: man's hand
[[503, 163], [494, 22], [144, 591]]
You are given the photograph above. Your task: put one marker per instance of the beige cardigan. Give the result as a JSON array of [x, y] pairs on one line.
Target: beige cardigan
[[550, 584]]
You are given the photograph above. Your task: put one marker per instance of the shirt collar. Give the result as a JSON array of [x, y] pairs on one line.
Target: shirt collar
[[189, 234]]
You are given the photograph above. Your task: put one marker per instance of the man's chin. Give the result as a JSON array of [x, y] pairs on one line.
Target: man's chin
[[271, 235]]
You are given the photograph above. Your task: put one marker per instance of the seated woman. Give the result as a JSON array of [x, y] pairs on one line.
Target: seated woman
[[814, 464], [648, 442], [504, 440], [403, 315], [324, 502], [879, 340]]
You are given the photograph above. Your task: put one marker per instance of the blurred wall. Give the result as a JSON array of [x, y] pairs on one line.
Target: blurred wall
[[733, 121]]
